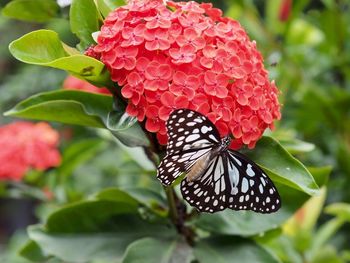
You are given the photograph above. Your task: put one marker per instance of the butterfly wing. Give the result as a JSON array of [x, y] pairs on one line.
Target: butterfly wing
[[190, 136], [250, 187], [208, 193], [232, 181]]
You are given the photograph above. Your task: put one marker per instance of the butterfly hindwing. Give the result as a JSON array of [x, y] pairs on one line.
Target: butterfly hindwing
[[191, 135], [208, 193], [250, 187], [232, 181]]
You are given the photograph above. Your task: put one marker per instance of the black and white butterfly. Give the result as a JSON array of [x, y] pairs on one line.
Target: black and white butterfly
[[216, 177]]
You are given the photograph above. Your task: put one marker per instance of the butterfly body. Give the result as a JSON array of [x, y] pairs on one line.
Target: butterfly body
[[216, 177], [202, 164]]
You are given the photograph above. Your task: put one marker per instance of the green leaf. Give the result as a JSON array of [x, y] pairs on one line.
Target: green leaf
[[66, 106], [32, 252], [106, 6], [89, 216], [222, 249], [320, 174], [149, 250], [323, 234], [31, 10], [84, 247], [77, 153], [95, 229], [124, 129], [84, 20], [79, 108], [341, 210], [44, 48], [248, 223], [281, 166], [142, 196]]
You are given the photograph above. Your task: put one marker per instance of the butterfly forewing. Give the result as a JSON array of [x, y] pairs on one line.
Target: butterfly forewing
[[190, 136]]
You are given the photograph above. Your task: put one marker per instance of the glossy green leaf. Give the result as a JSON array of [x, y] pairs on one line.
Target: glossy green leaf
[[80, 108], [149, 250], [89, 216], [142, 196], [248, 223], [222, 249], [84, 247], [66, 106], [44, 48], [84, 20], [281, 166], [106, 6], [31, 10], [101, 228], [124, 129]]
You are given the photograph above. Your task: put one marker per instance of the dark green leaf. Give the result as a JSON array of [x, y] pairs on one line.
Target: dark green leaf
[[80, 108], [31, 10], [124, 129], [84, 247], [89, 216], [248, 223], [142, 196], [96, 229], [84, 20], [66, 106], [222, 249], [149, 250], [281, 166], [32, 251]]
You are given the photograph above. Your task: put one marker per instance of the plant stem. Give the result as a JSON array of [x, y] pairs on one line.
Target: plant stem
[[177, 214]]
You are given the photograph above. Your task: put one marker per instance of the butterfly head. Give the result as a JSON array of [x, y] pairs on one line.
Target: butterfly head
[[225, 142]]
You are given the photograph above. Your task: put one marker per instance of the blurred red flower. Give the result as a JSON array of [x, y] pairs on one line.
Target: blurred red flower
[[26, 145], [170, 55], [78, 84], [285, 10]]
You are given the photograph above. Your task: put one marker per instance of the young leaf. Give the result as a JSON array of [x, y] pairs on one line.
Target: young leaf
[[106, 6], [84, 20], [44, 48], [31, 10]]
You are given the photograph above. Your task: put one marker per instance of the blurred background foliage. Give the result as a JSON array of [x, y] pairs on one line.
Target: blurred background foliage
[[306, 45]]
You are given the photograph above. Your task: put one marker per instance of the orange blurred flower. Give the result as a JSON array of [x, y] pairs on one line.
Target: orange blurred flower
[[26, 145]]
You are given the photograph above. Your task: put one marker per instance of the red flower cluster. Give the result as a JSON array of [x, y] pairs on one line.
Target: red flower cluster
[[25, 145], [78, 84], [186, 55]]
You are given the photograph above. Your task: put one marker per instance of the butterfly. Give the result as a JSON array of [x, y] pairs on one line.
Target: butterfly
[[216, 177]]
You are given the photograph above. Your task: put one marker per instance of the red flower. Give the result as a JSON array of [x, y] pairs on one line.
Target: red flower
[[170, 55], [285, 8], [78, 84], [25, 145]]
